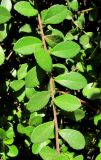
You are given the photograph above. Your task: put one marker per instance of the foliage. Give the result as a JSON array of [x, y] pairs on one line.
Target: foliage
[[50, 79]]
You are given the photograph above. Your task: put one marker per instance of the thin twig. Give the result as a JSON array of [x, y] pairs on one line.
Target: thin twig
[[51, 89], [85, 10], [55, 115], [9, 56]]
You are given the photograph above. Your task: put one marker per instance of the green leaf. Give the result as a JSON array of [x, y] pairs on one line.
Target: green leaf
[[92, 92], [34, 77], [38, 101], [80, 157], [48, 153], [97, 118], [30, 92], [72, 80], [84, 39], [2, 134], [4, 29], [27, 45], [60, 68], [98, 157], [67, 49], [62, 157], [4, 15], [17, 84], [25, 28], [25, 9], [2, 56], [67, 102], [7, 4], [13, 151], [73, 137], [55, 14], [36, 147], [74, 5], [42, 132], [22, 71], [43, 59], [35, 120]]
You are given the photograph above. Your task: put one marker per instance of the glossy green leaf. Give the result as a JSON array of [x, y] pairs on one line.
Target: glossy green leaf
[[34, 77], [38, 101], [98, 157], [72, 80], [73, 137], [80, 157], [36, 147], [7, 4], [22, 72], [35, 120], [92, 92], [67, 102], [13, 151], [30, 92], [25, 9], [42, 132], [67, 49], [55, 14], [48, 153], [2, 56], [4, 15], [2, 134], [43, 59], [25, 28], [27, 45], [17, 84]]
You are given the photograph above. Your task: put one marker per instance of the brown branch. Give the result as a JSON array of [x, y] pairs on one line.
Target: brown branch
[[51, 89], [85, 10]]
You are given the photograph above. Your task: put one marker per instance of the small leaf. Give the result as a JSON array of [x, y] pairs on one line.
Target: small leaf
[[68, 49], [34, 77], [13, 151], [74, 5], [80, 157], [42, 132], [43, 59], [73, 137], [30, 92], [55, 14], [7, 4], [2, 56], [48, 153], [2, 134], [22, 71], [38, 101], [72, 80], [4, 15], [25, 9], [17, 84], [97, 118], [27, 45], [67, 102], [25, 28]]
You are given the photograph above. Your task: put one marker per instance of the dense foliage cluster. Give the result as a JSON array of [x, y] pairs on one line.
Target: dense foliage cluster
[[50, 79]]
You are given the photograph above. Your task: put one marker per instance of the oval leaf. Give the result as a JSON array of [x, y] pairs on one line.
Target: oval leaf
[[43, 59], [67, 102], [13, 151], [27, 45], [42, 132], [4, 15], [25, 9], [73, 137], [68, 49], [72, 80], [55, 14], [17, 84], [2, 56], [38, 101]]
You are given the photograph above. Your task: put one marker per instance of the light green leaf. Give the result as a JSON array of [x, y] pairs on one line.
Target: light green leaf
[[22, 71], [25, 9], [7, 4], [4, 15], [98, 157], [43, 59], [36, 147], [38, 101], [4, 28], [69, 15], [27, 45], [42, 132], [73, 137], [67, 102], [72, 80], [92, 92], [55, 14], [13, 151], [34, 77], [80, 157], [2, 134], [30, 92], [48, 153], [25, 28], [73, 4], [84, 39], [17, 84], [62, 157], [2, 56], [67, 49], [97, 118], [35, 120]]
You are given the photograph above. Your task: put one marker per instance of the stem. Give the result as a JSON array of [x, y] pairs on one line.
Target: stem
[[51, 89], [85, 10]]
